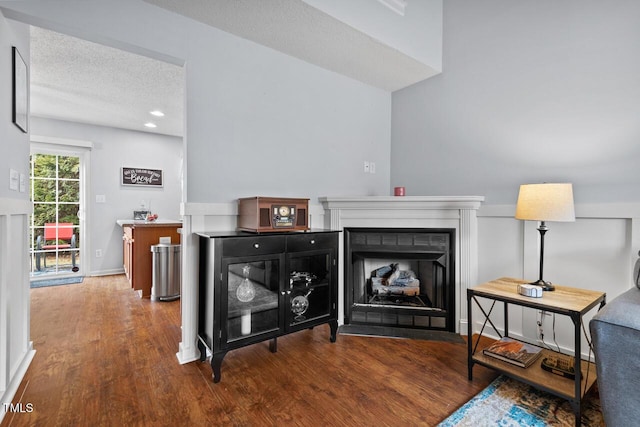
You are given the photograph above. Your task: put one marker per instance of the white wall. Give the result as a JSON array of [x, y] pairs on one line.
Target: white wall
[[16, 350], [112, 149], [530, 92]]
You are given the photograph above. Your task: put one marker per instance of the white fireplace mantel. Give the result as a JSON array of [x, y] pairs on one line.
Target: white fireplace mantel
[[458, 212], [412, 202]]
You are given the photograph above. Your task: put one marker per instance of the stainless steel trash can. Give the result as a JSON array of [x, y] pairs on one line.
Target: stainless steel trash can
[[165, 272]]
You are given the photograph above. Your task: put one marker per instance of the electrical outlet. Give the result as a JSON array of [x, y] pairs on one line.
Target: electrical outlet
[[98, 253], [372, 167]]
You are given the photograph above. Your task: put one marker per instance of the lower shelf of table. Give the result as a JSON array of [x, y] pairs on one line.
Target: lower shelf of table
[[535, 375]]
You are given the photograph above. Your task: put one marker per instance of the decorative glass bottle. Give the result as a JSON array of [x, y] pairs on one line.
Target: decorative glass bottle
[[246, 292]]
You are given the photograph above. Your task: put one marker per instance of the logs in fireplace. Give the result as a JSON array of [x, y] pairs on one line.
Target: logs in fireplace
[[400, 278]]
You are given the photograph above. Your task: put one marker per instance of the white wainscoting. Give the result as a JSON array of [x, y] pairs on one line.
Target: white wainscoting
[[595, 252], [16, 349]]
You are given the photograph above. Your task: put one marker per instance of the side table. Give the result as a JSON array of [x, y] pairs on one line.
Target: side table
[[572, 302]]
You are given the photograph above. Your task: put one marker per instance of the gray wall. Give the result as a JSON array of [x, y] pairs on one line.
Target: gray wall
[[16, 350], [258, 122], [14, 144], [538, 91]]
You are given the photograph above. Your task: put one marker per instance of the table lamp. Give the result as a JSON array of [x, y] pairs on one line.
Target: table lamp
[[545, 202]]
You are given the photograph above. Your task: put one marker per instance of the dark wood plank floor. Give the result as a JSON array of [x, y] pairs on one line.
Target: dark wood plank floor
[[106, 357]]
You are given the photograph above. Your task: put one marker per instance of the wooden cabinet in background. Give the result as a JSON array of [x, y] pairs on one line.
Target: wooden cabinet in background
[[137, 240]]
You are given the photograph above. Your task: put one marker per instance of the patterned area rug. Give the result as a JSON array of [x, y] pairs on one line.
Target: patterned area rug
[[56, 282], [509, 403]]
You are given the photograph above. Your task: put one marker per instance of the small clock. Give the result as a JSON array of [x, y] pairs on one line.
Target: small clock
[[284, 210], [283, 216]]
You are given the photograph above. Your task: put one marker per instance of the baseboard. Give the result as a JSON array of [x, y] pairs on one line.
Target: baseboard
[[187, 356], [393, 332], [107, 272], [10, 392]]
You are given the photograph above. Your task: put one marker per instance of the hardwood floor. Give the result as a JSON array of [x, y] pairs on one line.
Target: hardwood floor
[[106, 357]]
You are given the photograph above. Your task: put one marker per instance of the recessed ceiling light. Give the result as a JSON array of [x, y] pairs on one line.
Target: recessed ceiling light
[[157, 113], [150, 125]]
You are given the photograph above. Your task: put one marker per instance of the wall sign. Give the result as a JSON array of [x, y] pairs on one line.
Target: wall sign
[[140, 176]]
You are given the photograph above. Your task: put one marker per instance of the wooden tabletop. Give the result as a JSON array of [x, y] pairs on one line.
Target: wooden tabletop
[[563, 299]]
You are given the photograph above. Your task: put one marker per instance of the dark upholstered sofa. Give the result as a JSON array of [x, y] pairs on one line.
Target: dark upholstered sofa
[[615, 333]]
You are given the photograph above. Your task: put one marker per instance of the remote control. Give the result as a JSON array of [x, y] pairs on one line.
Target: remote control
[[559, 365]]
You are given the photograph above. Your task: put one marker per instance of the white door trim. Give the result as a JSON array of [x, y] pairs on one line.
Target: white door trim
[[82, 149]]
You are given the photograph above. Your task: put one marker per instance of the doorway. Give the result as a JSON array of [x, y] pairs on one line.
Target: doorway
[[57, 229]]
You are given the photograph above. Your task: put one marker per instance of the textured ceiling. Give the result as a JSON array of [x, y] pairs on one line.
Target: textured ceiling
[[81, 81]]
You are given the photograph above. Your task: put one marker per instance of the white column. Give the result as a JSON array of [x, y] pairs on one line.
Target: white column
[[468, 268]]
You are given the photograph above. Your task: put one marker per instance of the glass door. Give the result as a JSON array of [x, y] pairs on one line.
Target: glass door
[[309, 292], [55, 237], [253, 297]]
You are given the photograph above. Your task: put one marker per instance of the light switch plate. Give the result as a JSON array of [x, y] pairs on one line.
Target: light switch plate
[[14, 179]]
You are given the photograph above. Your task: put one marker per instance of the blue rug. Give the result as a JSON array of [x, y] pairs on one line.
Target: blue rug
[[510, 403], [56, 282]]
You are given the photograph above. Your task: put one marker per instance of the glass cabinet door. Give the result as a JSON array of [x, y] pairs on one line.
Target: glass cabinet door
[[252, 298], [308, 293]]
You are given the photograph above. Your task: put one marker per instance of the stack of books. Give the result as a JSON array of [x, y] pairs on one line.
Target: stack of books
[[515, 352]]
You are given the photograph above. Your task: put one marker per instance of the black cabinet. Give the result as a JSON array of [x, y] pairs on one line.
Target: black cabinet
[[257, 287]]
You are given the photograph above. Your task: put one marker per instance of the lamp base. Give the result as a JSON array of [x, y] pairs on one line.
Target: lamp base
[[546, 286]]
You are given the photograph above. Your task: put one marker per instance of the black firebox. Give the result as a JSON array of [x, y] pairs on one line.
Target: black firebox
[[400, 278]]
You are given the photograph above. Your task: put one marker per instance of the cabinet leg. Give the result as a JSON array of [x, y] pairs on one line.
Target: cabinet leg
[[334, 330], [216, 362], [273, 345]]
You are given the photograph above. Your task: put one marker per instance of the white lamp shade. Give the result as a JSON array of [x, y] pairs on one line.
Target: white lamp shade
[[545, 202]]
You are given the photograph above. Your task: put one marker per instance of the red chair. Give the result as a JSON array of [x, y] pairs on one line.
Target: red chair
[[56, 236]]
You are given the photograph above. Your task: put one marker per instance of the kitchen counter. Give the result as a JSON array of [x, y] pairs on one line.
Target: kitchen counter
[[143, 223], [137, 238]]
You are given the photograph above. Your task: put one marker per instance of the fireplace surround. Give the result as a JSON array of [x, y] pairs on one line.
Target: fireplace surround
[[457, 213]]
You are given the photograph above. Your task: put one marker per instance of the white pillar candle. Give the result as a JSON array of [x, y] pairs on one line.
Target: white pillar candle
[[245, 323]]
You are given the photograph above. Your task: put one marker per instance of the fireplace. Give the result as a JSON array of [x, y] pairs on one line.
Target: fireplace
[[457, 215], [400, 278]]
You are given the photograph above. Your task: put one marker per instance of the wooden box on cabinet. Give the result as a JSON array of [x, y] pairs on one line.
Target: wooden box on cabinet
[[257, 287], [137, 257]]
